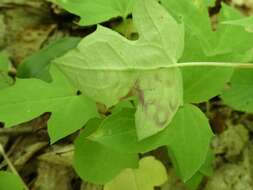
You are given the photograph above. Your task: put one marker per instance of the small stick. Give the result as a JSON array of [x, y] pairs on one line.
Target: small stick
[[15, 131], [216, 64], [13, 169]]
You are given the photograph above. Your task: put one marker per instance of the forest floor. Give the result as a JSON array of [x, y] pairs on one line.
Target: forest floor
[[28, 25]]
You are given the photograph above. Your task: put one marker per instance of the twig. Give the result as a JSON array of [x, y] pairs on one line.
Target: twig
[[216, 64], [13, 169], [15, 131]]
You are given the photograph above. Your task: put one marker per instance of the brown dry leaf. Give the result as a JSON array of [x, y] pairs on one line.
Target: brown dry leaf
[[28, 27], [32, 3], [89, 186], [59, 155], [52, 177]]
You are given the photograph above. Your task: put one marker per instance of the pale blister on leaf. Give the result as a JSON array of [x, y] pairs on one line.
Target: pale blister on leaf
[[107, 67]]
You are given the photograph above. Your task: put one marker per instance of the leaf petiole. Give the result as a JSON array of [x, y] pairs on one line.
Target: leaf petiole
[[213, 64]]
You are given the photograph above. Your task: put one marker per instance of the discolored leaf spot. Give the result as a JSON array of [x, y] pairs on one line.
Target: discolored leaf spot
[[159, 101]]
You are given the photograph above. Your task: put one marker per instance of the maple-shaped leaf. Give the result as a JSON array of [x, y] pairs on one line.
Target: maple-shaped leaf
[[96, 11], [187, 137], [107, 67], [90, 157], [151, 173], [217, 44], [228, 43], [29, 98]]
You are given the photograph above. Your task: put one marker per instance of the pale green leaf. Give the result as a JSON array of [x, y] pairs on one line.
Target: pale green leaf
[[96, 11], [9, 181], [157, 27], [151, 173], [29, 98], [107, 67]]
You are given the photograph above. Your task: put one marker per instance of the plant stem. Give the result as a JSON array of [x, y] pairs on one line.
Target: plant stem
[[165, 66], [15, 131], [13, 169], [215, 64]]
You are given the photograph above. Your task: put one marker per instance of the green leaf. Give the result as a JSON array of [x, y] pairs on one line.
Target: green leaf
[[187, 138], [246, 22], [194, 182], [9, 181], [207, 167], [226, 39], [5, 79], [38, 64], [91, 126], [97, 163], [29, 98], [151, 173], [190, 139], [107, 67], [127, 103], [96, 11], [240, 91], [119, 133], [205, 170], [201, 84], [229, 43]]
